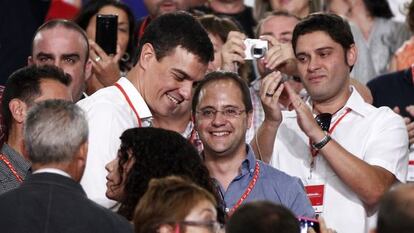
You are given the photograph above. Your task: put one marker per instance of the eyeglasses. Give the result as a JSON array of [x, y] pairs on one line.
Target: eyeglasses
[[212, 226], [210, 113]]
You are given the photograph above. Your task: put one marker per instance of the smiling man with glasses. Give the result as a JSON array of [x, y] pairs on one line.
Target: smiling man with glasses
[[223, 112]]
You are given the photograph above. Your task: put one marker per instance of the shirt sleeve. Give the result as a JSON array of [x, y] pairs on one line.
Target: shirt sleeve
[[388, 145], [299, 201]]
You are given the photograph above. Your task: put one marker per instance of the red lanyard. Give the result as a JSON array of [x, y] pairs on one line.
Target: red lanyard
[[10, 166], [130, 103], [142, 27], [314, 152], [248, 190]]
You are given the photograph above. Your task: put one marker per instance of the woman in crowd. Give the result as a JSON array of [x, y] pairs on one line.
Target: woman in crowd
[[176, 205], [107, 68], [381, 34], [147, 153], [404, 57]]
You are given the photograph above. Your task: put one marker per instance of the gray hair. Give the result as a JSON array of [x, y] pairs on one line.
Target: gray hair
[[54, 131]]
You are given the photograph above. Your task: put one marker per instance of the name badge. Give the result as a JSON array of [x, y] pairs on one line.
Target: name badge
[[315, 194]]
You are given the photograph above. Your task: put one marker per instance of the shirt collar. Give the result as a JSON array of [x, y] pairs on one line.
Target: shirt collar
[[249, 163], [137, 101], [355, 102], [52, 170]]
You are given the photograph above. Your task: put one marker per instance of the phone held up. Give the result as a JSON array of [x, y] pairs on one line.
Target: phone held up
[[107, 32], [306, 223]]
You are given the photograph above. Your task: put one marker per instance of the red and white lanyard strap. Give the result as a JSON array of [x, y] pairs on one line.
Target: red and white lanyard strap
[[313, 151], [11, 167], [248, 190], [129, 103]]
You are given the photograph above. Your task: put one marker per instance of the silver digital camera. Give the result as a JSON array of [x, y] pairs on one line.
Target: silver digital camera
[[255, 48]]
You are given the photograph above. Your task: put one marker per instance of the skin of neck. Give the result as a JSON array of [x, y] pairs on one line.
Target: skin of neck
[[225, 167], [174, 122], [75, 167], [334, 103], [15, 138], [227, 7]]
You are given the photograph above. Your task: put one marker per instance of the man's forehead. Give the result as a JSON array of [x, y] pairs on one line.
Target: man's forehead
[[277, 24], [60, 38], [320, 39]]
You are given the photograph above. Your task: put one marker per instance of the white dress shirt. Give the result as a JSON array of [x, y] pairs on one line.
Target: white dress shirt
[[109, 115], [377, 136]]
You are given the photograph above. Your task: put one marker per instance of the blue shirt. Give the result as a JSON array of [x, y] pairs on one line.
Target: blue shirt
[[272, 185]]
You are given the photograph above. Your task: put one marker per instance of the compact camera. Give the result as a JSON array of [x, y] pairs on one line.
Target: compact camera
[[255, 48]]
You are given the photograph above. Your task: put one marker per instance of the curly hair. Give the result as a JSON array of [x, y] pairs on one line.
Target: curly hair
[[158, 153]]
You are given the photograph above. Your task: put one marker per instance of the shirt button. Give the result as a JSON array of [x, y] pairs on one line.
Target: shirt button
[[227, 210], [251, 170]]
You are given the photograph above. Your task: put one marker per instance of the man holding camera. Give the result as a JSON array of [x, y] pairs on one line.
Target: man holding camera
[[347, 167]]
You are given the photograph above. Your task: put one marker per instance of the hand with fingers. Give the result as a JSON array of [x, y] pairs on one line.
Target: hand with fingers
[[105, 67], [270, 91], [233, 51], [305, 118], [408, 123], [322, 227], [280, 56]]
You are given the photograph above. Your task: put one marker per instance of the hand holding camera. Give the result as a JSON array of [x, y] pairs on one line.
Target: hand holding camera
[[233, 51], [280, 56]]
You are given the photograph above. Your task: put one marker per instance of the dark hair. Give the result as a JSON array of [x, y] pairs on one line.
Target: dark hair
[[262, 217], [378, 8], [91, 8], [168, 201], [333, 25], [176, 156], [171, 30], [396, 210], [24, 84], [218, 26], [224, 75], [54, 23]]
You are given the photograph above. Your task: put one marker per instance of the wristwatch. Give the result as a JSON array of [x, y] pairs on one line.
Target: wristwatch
[[322, 143]]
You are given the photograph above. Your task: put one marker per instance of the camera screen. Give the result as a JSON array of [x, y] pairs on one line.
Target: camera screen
[[306, 223]]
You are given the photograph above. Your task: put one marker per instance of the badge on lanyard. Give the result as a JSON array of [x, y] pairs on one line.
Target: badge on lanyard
[[315, 194]]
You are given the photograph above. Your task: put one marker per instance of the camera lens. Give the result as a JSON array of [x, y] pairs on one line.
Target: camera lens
[[258, 52]]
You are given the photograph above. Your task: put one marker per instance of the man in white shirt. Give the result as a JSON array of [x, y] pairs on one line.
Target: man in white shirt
[[347, 167], [174, 52]]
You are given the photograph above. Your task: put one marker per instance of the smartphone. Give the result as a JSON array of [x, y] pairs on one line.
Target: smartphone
[[107, 32], [306, 223]]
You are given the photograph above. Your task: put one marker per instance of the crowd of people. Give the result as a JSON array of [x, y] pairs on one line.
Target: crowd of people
[[189, 127]]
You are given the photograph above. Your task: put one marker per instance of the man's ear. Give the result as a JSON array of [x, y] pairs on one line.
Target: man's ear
[[88, 70], [79, 162], [147, 55], [249, 119], [30, 60], [18, 110], [351, 55]]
